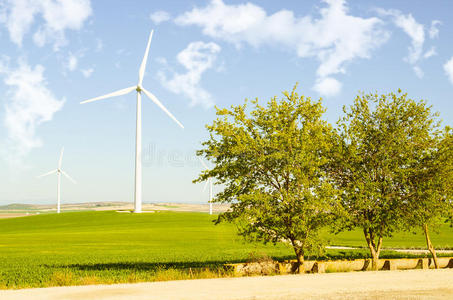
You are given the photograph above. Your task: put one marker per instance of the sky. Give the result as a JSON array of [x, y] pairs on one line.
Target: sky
[[56, 53]]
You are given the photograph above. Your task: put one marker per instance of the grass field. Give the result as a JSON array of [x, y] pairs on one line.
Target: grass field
[[109, 247], [441, 237]]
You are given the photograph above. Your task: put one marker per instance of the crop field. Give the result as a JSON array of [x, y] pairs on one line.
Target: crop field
[[109, 247]]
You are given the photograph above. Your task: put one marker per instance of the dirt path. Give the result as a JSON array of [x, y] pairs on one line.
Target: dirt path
[[413, 284]]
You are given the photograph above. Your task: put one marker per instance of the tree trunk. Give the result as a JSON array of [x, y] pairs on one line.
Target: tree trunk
[[300, 263], [300, 258], [430, 245], [375, 250]]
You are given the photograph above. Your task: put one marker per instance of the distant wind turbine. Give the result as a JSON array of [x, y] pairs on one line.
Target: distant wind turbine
[[208, 182], [138, 138], [59, 171]]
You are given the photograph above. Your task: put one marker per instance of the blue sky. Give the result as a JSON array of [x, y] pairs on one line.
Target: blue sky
[[55, 54]]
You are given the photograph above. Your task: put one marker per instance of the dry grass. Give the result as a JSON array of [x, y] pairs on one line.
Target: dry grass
[[62, 278], [68, 278]]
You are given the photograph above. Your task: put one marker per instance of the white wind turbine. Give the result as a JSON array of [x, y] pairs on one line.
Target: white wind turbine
[[138, 138], [59, 171], [209, 181]]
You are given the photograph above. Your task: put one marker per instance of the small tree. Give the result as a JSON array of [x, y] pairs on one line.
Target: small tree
[[429, 180], [271, 162], [379, 142]]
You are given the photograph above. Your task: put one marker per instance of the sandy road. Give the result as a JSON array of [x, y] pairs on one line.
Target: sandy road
[[413, 284]]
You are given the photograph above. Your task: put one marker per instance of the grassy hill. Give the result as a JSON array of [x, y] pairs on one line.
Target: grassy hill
[[110, 247], [18, 206]]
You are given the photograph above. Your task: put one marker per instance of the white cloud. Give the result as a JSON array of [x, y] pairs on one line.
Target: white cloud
[[334, 38], [123, 52], [28, 103], [99, 45], [416, 32], [40, 38], [448, 68], [57, 16], [159, 16], [418, 72], [161, 60], [433, 30], [413, 29], [87, 72], [327, 86], [196, 58], [72, 62], [431, 52]]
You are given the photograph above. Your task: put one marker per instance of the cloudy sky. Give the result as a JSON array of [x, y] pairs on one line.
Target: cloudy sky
[[56, 53]]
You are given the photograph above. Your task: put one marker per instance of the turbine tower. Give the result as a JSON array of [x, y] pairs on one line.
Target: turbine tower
[[138, 137], [209, 181], [59, 171]]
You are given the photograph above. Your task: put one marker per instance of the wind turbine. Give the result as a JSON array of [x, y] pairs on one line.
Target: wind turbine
[[138, 136], [209, 181], [59, 171]]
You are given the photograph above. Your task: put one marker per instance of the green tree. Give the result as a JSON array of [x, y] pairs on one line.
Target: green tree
[[446, 158], [430, 185], [447, 144], [380, 139], [272, 163]]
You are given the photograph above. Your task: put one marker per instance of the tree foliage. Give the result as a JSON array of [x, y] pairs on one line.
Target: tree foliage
[[272, 161], [446, 159], [430, 176], [382, 139]]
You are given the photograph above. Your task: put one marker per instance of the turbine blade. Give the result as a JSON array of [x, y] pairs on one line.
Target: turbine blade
[[141, 72], [61, 158], [203, 163], [114, 94], [206, 185], [158, 103], [69, 177], [45, 174]]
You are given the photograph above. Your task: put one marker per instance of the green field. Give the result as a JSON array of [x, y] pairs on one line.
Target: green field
[[110, 247], [441, 237]]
